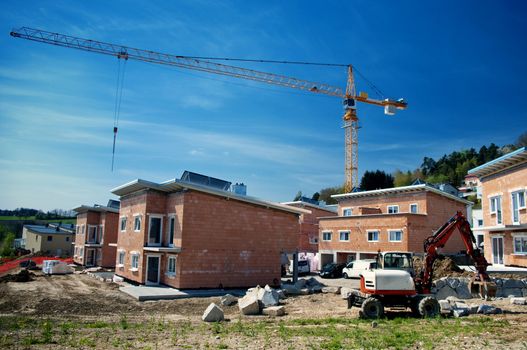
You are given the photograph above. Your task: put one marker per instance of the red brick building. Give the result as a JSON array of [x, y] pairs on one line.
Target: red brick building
[[503, 199], [395, 219], [96, 235], [308, 234], [187, 235]]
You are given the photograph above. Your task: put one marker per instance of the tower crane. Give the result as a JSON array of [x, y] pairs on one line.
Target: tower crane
[[348, 96]]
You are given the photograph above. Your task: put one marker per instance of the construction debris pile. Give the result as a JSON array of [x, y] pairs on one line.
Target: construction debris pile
[[443, 267], [457, 287], [23, 276], [453, 306]]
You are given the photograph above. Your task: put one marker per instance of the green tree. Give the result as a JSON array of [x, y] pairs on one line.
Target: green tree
[[326, 193], [373, 180], [316, 196], [298, 196], [521, 141], [401, 178], [7, 245]]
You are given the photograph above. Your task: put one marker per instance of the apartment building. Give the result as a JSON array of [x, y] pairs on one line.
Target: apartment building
[[50, 239], [96, 234], [503, 197], [392, 219], [199, 234], [308, 234]]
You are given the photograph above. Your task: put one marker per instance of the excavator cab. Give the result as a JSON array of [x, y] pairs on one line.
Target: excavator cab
[[396, 261]]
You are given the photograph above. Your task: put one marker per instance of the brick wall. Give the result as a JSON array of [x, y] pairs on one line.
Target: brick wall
[[383, 201], [309, 227], [110, 222]]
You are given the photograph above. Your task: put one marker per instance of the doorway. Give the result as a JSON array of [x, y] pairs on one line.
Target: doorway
[[497, 250], [152, 269]]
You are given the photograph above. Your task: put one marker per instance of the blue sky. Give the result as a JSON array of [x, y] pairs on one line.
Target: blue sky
[[460, 65]]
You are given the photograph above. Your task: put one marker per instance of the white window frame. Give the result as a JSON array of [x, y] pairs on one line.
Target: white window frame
[[81, 253], [390, 235], [101, 233], [416, 205], [132, 256], [121, 256], [340, 235], [83, 229], [155, 216], [522, 236], [392, 206], [138, 218], [371, 231], [169, 273], [493, 202], [330, 233], [88, 238], [520, 207], [345, 210], [121, 220], [77, 229]]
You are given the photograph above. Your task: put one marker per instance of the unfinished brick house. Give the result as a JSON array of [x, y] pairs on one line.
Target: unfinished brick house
[[503, 191], [308, 234], [96, 234], [189, 235], [392, 219]]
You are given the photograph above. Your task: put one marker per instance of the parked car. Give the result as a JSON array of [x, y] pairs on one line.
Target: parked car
[[332, 270], [303, 267], [56, 267], [28, 264], [354, 268]]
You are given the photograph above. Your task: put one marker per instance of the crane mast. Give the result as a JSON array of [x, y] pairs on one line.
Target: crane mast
[[124, 52]]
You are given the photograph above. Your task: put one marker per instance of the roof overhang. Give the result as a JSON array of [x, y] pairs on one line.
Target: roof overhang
[[399, 190], [176, 185], [503, 228], [331, 209], [86, 208], [504, 162]]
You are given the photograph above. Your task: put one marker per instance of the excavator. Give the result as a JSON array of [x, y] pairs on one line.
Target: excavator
[[394, 284]]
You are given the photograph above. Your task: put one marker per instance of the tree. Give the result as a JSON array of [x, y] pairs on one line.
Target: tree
[[316, 196], [8, 245], [521, 141], [373, 180], [326, 193], [401, 178], [298, 196]]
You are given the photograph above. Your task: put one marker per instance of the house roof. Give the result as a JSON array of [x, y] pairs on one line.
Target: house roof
[[502, 163], [175, 185], [331, 208], [98, 208], [398, 190], [46, 230]]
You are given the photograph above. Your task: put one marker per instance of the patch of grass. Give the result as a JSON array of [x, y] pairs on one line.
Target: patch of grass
[[85, 341], [124, 322], [98, 324]]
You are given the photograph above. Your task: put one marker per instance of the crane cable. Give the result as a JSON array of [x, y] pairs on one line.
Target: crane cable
[[118, 99]]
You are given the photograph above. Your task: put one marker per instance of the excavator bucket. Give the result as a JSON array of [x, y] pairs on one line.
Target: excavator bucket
[[482, 289]]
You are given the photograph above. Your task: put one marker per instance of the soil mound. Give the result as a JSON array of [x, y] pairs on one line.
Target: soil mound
[[443, 267], [23, 276]]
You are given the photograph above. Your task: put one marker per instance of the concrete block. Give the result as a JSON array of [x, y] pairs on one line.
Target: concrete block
[[281, 294], [317, 289], [460, 312], [463, 292], [305, 291], [228, 300], [473, 308], [290, 289], [274, 311], [440, 283], [268, 297], [498, 281], [117, 279], [460, 305], [515, 292], [249, 305], [452, 282], [488, 310], [301, 283], [213, 313], [332, 290], [313, 282], [445, 292], [345, 292], [518, 301]]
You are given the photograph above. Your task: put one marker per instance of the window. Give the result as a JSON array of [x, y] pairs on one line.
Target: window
[[393, 209], [81, 253], [520, 245], [67, 239], [395, 235], [123, 224], [171, 268], [155, 230], [347, 211], [373, 236], [518, 202], [495, 208], [313, 240], [50, 238], [92, 233], [413, 208], [77, 229], [120, 261], [83, 229], [480, 222], [171, 228], [137, 223], [326, 236], [344, 235], [135, 262]]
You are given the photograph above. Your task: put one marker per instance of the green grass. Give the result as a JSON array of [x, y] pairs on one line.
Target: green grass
[[327, 333]]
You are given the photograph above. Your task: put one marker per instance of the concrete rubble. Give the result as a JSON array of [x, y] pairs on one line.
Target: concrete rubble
[[345, 292], [258, 299], [518, 301], [249, 304], [331, 290], [213, 313], [458, 308], [228, 300], [303, 287], [274, 311], [458, 287]]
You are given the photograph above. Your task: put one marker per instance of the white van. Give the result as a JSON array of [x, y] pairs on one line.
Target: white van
[[55, 267], [354, 268]]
